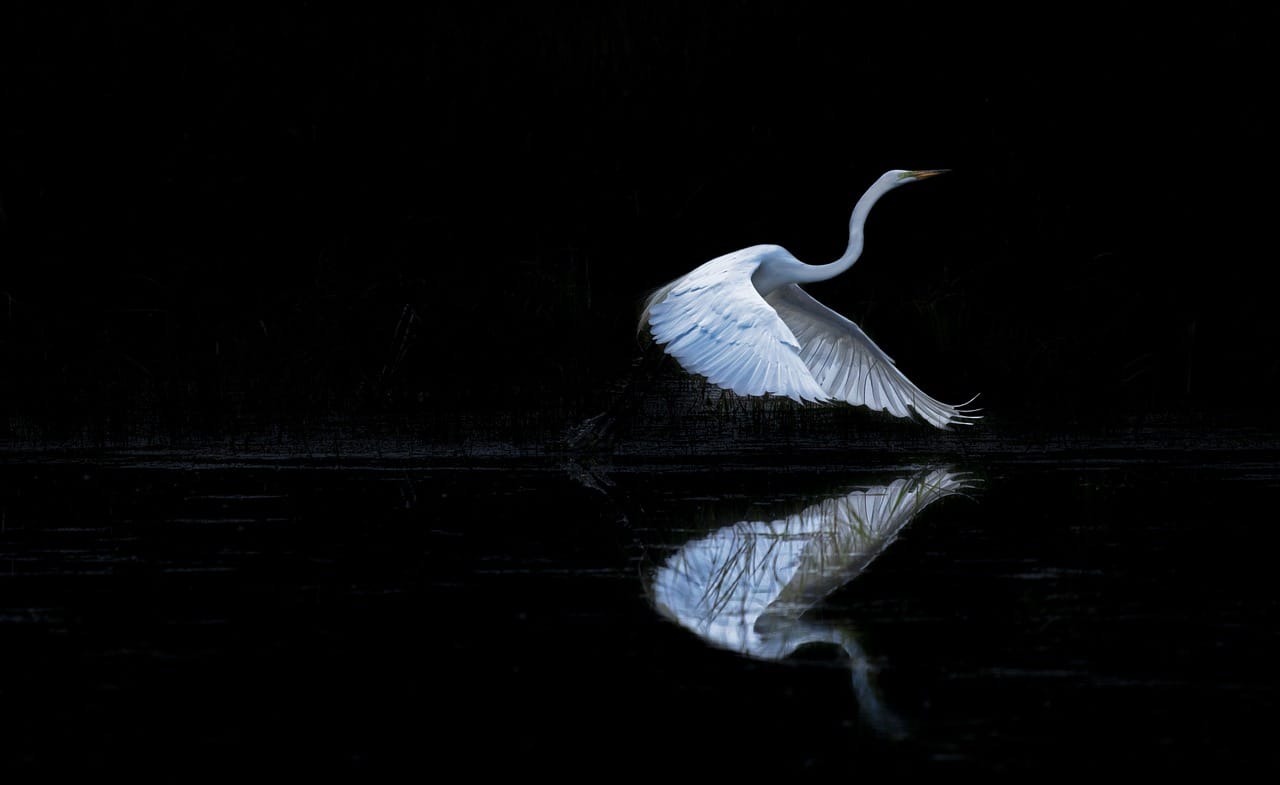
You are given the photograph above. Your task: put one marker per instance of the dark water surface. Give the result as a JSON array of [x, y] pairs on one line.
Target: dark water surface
[[1066, 604]]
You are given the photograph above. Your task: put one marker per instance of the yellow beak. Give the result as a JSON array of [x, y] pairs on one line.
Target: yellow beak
[[921, 174]]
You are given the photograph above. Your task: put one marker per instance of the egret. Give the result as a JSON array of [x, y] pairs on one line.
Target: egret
[[742, 321], [750, 587]]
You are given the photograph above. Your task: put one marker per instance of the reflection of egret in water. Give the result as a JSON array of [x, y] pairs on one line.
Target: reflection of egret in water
[[746, 587]]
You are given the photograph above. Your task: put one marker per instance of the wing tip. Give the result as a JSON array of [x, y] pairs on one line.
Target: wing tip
[[963, 414]]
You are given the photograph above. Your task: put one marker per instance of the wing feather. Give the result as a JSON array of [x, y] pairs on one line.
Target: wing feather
[[854, 369], [715, 323]]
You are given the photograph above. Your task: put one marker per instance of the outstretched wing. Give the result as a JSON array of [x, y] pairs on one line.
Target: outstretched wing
[[850, 367], [846, 533], [715, 323], [757, 575]]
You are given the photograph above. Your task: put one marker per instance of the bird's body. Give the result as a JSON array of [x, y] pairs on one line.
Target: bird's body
[[742, 321]]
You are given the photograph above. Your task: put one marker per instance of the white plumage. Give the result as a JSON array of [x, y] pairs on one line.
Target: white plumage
[[742, 321], [746, 587]]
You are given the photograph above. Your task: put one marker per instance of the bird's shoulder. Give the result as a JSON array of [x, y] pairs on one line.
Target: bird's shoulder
[[736, 264]]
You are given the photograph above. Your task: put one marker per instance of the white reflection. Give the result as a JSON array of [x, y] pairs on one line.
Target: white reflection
[[746, 587]]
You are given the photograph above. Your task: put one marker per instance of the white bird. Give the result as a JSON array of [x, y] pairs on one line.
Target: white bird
[[742, 321], [726, 585], [749, 587]]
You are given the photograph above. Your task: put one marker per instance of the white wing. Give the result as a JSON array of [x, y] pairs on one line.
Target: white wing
[[724, 585], [715, 323], [852, 530], [850, 367]]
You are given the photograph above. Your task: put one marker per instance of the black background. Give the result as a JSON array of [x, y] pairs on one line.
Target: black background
[[214, 215], [446, 215]]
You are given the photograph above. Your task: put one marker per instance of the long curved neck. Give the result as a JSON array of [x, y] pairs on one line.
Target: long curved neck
[[822, 272]]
